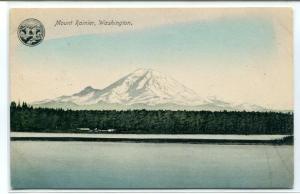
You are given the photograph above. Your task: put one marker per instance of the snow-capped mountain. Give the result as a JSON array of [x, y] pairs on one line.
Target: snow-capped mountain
[[143, 88]]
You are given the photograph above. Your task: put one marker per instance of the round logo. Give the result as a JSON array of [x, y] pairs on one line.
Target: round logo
[[31, 32]]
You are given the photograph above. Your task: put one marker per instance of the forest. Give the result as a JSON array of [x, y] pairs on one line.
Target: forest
[[25, 118]]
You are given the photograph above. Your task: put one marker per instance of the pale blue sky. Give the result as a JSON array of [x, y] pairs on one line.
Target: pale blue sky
[[227, 39]]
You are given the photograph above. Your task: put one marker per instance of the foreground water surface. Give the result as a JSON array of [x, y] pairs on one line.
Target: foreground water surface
[[99, 165]]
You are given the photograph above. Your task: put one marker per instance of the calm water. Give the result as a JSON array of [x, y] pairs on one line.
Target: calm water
[[146, 165]]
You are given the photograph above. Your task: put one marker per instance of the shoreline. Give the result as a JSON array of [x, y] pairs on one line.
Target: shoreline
[[285, 141]]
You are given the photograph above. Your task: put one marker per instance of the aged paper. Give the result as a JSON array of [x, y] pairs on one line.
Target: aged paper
[[162, 98]]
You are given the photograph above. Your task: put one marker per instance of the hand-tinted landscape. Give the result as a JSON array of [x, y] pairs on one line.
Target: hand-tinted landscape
[[179, 99]]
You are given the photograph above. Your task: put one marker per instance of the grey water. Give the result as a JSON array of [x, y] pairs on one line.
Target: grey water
[[112, 165]]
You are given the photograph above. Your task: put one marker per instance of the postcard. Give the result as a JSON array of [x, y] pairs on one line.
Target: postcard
[[160, 98]]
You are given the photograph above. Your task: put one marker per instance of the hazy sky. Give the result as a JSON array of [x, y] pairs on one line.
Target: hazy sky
[[238, 55]]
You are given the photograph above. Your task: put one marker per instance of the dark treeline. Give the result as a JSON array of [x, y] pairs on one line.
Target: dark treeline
[[26, 118]]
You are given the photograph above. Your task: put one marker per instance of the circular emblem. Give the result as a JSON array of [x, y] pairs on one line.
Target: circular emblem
[[31, 32]]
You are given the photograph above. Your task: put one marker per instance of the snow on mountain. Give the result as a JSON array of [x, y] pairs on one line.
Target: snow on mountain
[[149, 87], [249, 107], [143, 88]]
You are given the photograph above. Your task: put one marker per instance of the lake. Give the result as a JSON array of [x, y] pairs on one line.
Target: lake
[[100, 165]]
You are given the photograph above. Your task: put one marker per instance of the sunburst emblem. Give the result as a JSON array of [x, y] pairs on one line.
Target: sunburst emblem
[[31, 32]]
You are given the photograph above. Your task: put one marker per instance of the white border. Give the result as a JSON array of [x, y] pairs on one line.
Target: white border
[[4, 169], [4, 81]]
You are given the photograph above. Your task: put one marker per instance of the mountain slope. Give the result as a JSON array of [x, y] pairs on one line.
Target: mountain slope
[[142, 89]]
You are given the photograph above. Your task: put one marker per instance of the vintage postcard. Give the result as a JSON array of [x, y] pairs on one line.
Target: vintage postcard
[[161, 98]]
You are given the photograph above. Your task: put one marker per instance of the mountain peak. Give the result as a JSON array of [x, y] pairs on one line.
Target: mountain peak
[[85, 91], [88, 88], [151, 74], [143, 86], [143, 71], [146, 87]]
